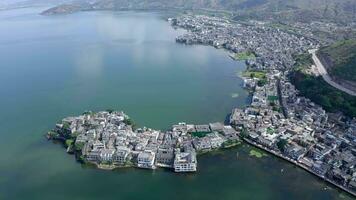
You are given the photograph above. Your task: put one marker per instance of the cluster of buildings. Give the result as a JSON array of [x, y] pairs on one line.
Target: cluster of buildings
[[108, 140], [273, 47], [324, 32], [302, 133], [278, 119]]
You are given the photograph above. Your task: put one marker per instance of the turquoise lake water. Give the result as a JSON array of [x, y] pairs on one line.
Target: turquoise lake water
[[58, 66]]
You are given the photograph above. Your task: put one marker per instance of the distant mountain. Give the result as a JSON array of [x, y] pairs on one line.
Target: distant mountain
[[304, 10], [300, 10], [9, 4]]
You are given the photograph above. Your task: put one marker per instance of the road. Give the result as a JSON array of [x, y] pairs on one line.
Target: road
[[325, 75]]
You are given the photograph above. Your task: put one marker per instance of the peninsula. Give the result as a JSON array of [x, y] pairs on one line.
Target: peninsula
[[109, 140]]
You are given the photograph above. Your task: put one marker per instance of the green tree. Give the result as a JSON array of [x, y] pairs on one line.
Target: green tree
[[78, 146], [261, 82], [110, 110], [281, 144], [244, 133], [69, 142]]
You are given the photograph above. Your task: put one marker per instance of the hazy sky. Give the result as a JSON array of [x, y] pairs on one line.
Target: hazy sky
[[8, 2]]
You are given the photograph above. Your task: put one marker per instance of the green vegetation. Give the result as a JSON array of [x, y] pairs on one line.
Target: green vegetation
[[341, 57], [303, 62], [281, 144], [79, 146], [66, 125], [69, 142], [244, 133], [254, 74], [110, 110], [74, 135], [272, 98], [257, 153], [231, 143], [340, 11], [130, 122], [248, 55], [66, 131], [270, 130], [52, 134], [261, 82], [199, 134], [320, 92], [273, 102], [81, 159], [260, 75], [88, 113]]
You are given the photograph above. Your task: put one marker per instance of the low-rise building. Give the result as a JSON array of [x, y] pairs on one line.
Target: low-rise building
[[146, 159], [93, 156], [185, 162], [120, 156], [106, 155], [165, 157]]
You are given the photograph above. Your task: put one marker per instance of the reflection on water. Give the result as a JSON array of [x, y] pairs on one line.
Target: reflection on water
[[58, 66], [89, 61]]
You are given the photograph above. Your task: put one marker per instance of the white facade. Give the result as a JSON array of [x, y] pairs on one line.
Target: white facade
[[120, 156], [185, 162], [146, 159], [106, 155]]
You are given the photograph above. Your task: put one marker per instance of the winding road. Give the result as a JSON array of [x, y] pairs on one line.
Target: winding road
[[322, 71]]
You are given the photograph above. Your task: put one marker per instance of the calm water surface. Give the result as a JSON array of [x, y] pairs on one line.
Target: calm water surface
[[53, 67]]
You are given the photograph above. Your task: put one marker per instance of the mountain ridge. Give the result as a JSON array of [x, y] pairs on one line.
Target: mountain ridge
[[301, 10]]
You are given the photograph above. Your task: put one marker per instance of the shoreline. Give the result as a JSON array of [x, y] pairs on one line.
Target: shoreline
[[196, 38]]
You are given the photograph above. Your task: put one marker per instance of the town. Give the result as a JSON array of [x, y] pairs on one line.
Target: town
[[279, 120]]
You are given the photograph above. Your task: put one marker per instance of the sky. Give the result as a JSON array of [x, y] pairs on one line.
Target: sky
[[11, 2]]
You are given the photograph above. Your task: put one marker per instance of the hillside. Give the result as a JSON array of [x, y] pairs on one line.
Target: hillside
[[305, 10], [319, 91], [300, 10], [340, 59]]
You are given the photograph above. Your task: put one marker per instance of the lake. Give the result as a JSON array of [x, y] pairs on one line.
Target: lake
[[58, 66]]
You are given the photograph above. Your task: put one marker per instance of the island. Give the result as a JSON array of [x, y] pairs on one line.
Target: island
[[110, 139]]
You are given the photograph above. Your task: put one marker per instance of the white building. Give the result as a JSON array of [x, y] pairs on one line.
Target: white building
[[93, 156], [185, 162], [106, 155], [215, 140], [146, 159], [120, 156]]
